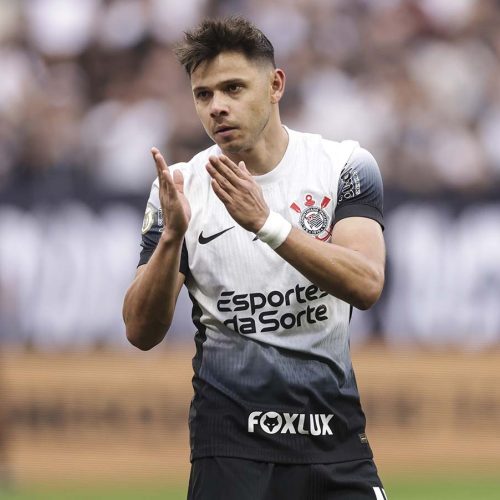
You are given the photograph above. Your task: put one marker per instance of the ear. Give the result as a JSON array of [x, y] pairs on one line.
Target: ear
[[278, 79]]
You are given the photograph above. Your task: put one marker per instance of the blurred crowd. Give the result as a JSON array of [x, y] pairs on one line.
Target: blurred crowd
[[88, 86]]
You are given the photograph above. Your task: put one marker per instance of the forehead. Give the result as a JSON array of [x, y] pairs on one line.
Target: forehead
[[225, 66]]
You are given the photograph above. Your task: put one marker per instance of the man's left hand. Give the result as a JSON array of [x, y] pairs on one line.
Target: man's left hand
[[237, 189]]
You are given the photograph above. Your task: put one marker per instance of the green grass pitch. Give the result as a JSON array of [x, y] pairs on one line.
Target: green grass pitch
[[396, 488]]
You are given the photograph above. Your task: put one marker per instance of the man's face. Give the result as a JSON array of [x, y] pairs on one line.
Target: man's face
[[232, 96]]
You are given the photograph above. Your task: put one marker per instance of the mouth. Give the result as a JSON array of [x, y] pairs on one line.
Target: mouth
[[224, 130]]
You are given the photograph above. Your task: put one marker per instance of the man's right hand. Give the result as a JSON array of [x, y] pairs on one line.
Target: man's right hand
[[174, 204]]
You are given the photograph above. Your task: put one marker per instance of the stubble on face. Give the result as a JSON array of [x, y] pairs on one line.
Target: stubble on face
[[231, 90]]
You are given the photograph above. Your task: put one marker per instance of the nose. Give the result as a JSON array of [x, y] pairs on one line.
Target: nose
[[219, 105]]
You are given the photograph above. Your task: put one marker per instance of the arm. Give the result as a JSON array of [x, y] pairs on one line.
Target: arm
[[150, 301], [350, 268]]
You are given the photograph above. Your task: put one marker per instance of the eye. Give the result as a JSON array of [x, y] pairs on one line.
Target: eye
[[234, 88], [202, 95]]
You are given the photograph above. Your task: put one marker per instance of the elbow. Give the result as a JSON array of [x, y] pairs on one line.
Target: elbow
[[140, 333], [145, 337], [369, 294], [365, 303], [140, 343]]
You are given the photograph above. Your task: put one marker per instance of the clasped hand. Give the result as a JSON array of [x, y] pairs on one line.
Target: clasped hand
[[174, 204], [233, 184], [237, 189]]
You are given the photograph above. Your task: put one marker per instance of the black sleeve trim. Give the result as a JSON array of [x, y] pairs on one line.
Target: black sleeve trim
[[359, 210], [184, 264], [146, 254], [360, 189]]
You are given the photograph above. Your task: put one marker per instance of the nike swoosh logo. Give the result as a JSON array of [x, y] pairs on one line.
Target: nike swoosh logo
[[203, 240]]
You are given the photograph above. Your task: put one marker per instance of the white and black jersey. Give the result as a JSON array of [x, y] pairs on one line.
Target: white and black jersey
[[273, 379]]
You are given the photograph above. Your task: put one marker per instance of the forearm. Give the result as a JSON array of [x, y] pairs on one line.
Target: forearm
[[351, 268], [150, 301], [343, 272]]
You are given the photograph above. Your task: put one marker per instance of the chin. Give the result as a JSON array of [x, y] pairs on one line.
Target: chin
[[230, 146]]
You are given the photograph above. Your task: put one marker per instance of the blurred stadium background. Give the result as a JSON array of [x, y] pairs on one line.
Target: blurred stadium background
[[88, 86]]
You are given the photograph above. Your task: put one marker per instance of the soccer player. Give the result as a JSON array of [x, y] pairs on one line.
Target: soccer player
[[277, 234]]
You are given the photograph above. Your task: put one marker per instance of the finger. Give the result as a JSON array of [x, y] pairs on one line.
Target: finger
[[154, 152], [169, 185], [178, 179], [235, 169], [243, 169], [221, 193], [221, 180], [160, 164], [164, 175], [224, 170]]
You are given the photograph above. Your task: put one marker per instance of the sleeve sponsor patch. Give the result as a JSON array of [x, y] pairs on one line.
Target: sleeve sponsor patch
[[152, 217], [149, 217]]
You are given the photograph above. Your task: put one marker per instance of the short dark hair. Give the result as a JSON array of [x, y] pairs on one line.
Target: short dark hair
[[212, 37]]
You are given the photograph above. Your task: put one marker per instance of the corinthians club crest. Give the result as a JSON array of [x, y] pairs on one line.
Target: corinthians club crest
[[314, 219]]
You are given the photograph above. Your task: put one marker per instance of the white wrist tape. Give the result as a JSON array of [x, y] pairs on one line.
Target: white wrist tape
[[275, 230]]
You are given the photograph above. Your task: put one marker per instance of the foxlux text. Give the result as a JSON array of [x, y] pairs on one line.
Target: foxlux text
[[271, 422]]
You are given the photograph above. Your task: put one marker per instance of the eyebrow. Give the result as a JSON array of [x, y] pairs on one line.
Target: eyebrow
[[224, 83]]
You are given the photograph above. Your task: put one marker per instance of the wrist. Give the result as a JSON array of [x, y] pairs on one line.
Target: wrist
[[171, 237], [275, 230]]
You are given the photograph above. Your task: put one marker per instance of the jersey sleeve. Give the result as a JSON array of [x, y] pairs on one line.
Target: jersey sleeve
[[360, 189], [152, 227]]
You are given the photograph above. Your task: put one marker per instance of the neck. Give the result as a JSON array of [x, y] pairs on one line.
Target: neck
[[267, 152]]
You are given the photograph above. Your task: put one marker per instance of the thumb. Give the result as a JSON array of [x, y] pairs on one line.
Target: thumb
[[178, 181], [244, 168]]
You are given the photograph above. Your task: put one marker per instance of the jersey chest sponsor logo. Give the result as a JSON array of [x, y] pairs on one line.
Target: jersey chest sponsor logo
[[271, 422], [257, 312], [313, 218]]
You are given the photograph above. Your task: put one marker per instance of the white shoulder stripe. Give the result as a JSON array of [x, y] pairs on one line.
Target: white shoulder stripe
[[379, 493]]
